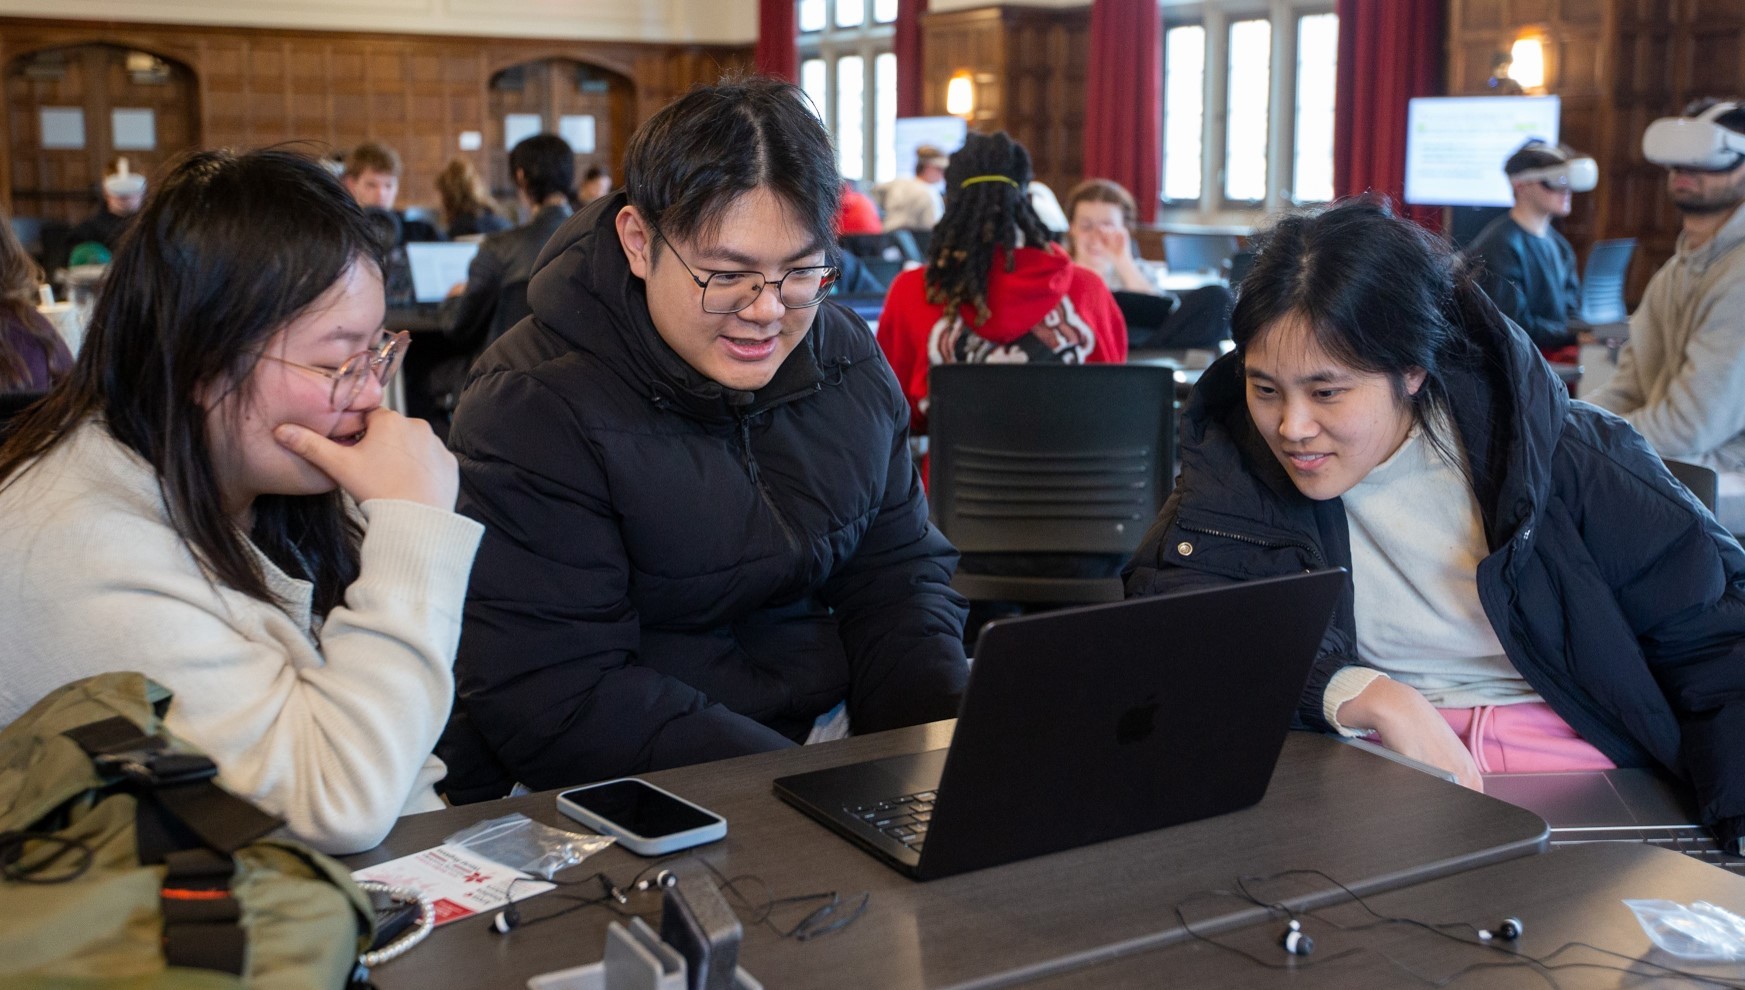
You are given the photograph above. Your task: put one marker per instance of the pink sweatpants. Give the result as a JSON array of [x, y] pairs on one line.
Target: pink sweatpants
[[1524, 738]]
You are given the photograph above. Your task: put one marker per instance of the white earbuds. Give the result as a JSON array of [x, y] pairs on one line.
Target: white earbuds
[[1509, 930], [1294, 941]]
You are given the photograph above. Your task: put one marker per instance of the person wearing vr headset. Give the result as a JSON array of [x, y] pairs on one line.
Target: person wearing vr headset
[[123, 192], [1681, 376], [1524, 264]]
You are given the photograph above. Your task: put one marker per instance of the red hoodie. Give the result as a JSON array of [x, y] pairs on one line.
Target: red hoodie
[[1045, 309]]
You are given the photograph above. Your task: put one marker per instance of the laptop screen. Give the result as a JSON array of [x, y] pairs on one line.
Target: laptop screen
[[438, 266]]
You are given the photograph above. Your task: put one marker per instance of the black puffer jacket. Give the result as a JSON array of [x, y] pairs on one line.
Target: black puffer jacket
[[1617, 597], [673, 571]]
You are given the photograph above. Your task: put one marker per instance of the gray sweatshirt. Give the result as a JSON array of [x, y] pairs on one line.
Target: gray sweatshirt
[[1681, 376]]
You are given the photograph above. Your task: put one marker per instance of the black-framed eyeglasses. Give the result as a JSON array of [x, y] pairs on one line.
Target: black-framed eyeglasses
[[732, 292], [348, 379]]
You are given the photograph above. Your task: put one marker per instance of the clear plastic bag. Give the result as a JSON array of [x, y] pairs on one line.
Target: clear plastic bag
[[521, 843], [1699, 931]]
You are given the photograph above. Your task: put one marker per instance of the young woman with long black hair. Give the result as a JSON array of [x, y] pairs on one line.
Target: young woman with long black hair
[[1531, 589], [215, 497]]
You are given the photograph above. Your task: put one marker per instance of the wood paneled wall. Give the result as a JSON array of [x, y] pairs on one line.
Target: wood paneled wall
[[1618, 65], [58, 182], [416, 92], [1029, 65]]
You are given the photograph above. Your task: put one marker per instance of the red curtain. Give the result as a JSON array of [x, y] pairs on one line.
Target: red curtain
[[1389, 52], [777, 29], [911, 73], [1124, 99]]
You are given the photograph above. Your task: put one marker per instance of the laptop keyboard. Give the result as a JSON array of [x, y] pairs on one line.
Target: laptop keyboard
[[904, 818], [1692, 840]]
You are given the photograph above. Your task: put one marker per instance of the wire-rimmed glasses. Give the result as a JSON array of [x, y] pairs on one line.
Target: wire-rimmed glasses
[[731, 292], [349, 378]]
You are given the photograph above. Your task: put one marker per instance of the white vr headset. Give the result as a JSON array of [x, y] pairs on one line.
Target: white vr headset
[[1695, 143], [124, 181], [1576, 175]]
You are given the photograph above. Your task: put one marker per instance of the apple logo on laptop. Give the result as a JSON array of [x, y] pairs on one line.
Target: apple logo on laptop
[[1137, 722]]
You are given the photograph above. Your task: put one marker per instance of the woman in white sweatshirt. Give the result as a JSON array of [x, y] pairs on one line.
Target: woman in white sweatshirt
[[215, 497]]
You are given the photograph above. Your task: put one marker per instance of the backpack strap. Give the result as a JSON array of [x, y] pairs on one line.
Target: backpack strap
[[202, 919], [185, 821], [180, 805]]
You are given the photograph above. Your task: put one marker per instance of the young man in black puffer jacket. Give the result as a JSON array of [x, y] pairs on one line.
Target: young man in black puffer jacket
[[704, 529]]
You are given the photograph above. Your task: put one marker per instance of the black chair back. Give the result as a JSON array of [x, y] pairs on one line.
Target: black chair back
[[1197, 252], [1146, 314], [884, 270], [1602, 282], [892, 245], [1702, 481], [1049, 459], [907, 243]]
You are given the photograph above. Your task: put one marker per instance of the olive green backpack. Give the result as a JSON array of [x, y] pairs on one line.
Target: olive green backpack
[[124, 864]]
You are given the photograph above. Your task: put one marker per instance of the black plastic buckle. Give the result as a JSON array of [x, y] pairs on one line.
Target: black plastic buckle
[[158, 768]]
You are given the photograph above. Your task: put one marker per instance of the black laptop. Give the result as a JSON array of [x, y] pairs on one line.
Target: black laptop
[[1622, 805], [1091, 724]]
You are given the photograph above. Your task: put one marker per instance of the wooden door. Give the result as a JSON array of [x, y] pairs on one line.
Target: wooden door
[[560, 91], [96, 88], [581, 91]]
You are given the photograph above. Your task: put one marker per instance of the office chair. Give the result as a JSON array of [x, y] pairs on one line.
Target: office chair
[[1197, 318], [1702, 481], [892, 245], [906, 242], [1145, 313], [885, 270], [1197, 252], [1048, 461], [1602, 292]]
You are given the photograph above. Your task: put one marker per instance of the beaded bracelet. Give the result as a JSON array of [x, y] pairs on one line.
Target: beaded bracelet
[[403, 944]]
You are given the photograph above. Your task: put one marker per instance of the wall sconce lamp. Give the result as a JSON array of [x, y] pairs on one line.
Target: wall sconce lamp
[[1529, 67], [960, 95]]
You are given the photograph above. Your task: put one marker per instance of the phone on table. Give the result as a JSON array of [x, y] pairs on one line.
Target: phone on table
[[645, 818]]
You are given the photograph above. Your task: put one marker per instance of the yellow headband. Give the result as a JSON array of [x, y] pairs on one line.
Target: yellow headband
[[988, 178]]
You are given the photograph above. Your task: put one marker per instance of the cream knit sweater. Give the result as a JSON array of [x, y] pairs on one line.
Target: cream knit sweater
[[1681, 376], [333, 731]]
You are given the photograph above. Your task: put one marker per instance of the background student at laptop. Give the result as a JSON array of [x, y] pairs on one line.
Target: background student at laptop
[[1532, 591]]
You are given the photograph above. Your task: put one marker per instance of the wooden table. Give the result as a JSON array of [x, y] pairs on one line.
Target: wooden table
[[1369, 822]]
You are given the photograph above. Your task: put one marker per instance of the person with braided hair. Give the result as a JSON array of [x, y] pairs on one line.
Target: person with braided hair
[[995, 288]]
